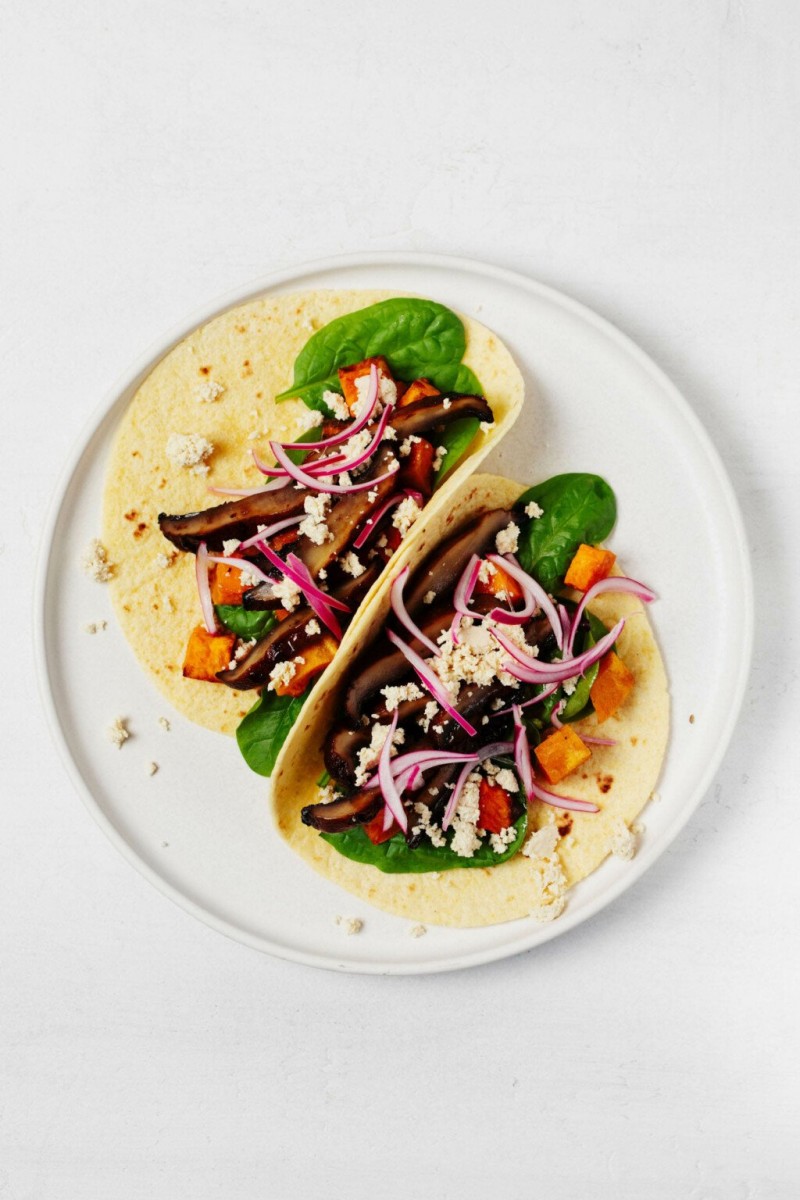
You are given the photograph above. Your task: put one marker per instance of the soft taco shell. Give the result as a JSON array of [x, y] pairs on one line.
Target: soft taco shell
[[250, 351], [620, 778]]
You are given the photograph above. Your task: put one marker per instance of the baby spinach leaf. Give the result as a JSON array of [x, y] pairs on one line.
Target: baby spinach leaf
[[579, 704], [576, 508], [311, 435], [263, 731], [245, 622], [457, 439], [395, 858], [417, 337]]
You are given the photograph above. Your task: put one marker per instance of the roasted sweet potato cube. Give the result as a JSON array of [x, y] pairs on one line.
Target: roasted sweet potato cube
[[207, 653], [349, 375], [499, 584], [416, 469], [375, 831], [417, 391], [316, 656], [561, 753], [226, 584], [588, 567], [611, 687], [495, 807]]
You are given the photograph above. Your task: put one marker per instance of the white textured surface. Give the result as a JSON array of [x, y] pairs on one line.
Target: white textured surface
[[643, 158]]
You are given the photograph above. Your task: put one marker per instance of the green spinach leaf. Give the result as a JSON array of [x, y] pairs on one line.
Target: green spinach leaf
[[417, 337], [395, 858], [457, 439], [245, 622], [576, 508], [263, 731]]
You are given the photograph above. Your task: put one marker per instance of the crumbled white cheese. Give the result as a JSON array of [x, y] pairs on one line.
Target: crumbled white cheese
[[117, 733], [429, 597], [405, 514], [95, 562], [486, 426], [431, 710], [389, 434], [466, 835], [344, 479], [95, 626], [405, 446], [476, 657], [568, 685], [304, 418], [418, 931], [368, 755], [283, 672], [166, 560], [313, 524], [486, 570], [507, 539], [164, 723], [549, 880], [322, 573], [327, 794], [312, 627], [248, 579], [425, 825], [506, 779], [502, 840], [441, 453], [287, 591], [387, 389], [350, 925], [208, 391], [240, 651], [372, 495], [189, 450], [337, 404], [151, 768], [622, 842], [351, 564], [230, 546], [396, 695], [533, 510]]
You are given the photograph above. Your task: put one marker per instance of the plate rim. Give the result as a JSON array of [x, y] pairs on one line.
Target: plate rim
[[147, 360]]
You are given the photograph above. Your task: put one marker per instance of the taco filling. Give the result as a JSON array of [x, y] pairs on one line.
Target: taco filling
[[481, 692], [281, 569]]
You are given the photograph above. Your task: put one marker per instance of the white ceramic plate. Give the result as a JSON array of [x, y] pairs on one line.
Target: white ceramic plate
[[200, 830]]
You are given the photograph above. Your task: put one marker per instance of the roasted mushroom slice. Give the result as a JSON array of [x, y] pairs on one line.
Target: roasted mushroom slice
[[441, 570], [431, 411], [351, 592], [283, 642], [341, 753], [234, 519], [343, 814], [348, 514]]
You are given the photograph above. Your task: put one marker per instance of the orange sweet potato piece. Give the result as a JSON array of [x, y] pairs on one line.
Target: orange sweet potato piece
[[417, 391], [226, 584], [416, 469], [611, 687], [375, 831], [561, 753], [495, 807], [349, 375], [317, 655], [500, 581], [207, 653], [588, 567]]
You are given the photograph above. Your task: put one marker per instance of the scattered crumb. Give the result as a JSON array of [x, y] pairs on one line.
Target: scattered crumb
[[418, 931], [164, 723], [95, 626], [117, 733], [95, 562], [622, 843], [208, 391], [166, 560], [189, 450], [350, 925], [533, 510], [151, 768], [691, 718]]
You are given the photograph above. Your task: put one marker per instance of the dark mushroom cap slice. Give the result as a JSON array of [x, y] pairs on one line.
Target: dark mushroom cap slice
[[431, 411], [284, 641], [234, 519], [343, 814], [442, 569], [341, 752]]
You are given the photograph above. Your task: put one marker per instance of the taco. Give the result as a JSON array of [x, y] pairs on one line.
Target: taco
[[496, 721], [263, 477]]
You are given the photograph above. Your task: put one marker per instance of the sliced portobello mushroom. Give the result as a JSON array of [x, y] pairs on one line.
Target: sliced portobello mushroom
[[430, 411], [341, 753], [284, 641], [351, 592], [348, 513], [343, 814], [441, 570], [234, 519]]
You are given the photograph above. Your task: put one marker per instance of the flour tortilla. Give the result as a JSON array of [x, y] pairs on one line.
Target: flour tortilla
[[250, 351], [619, 778]]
